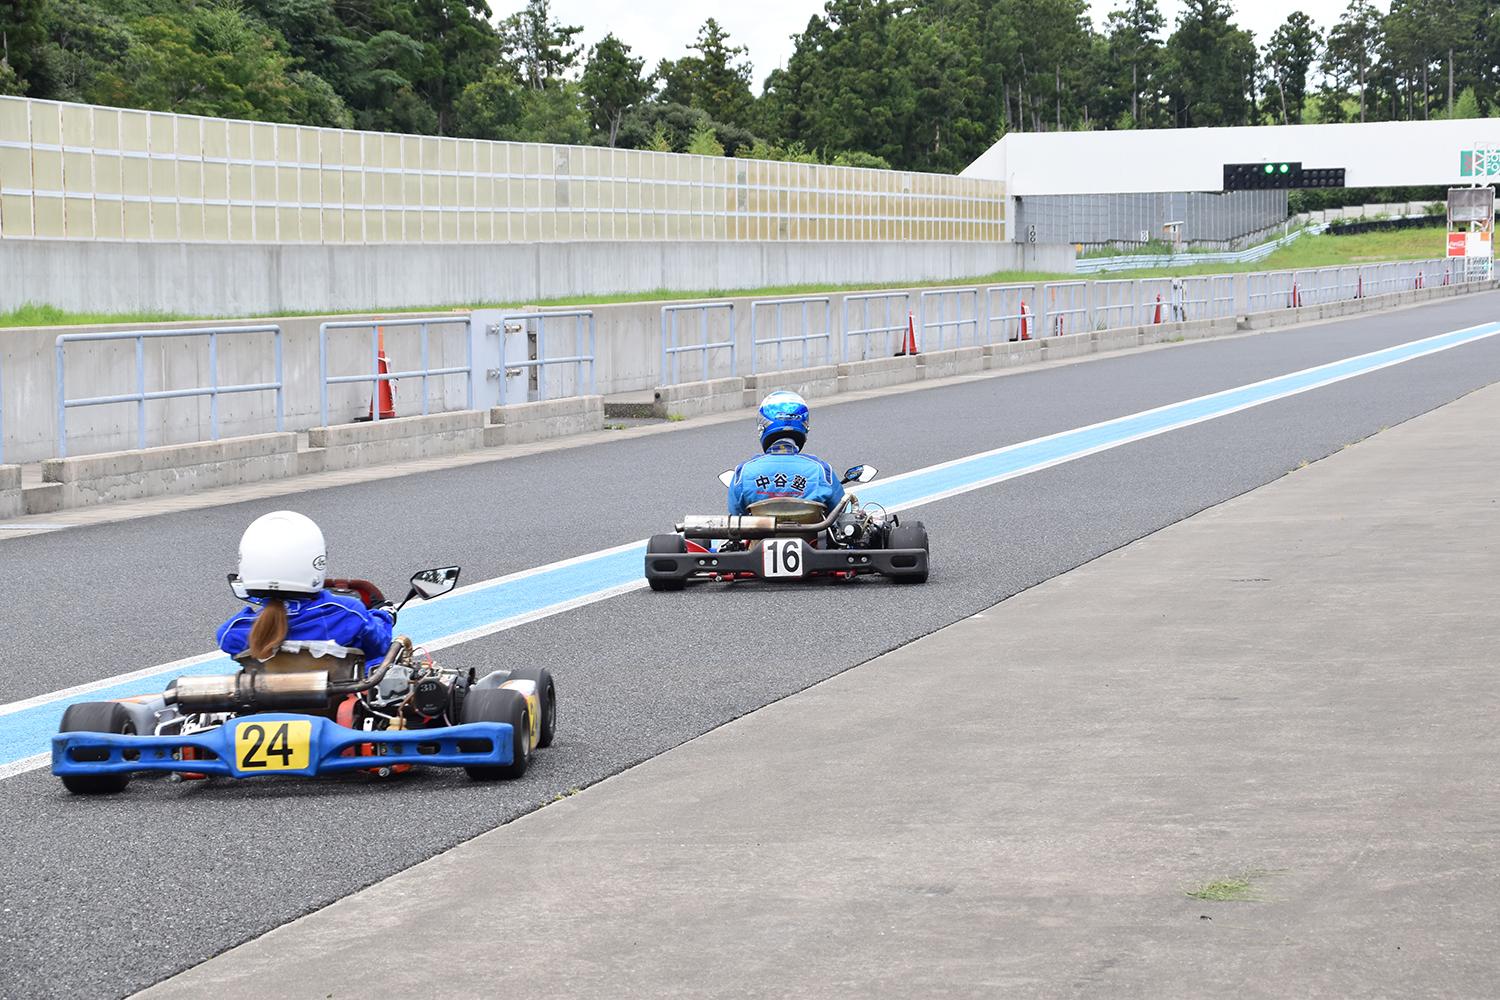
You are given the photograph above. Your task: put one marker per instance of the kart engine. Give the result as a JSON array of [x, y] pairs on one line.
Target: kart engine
[[417, 694], [861, 526]]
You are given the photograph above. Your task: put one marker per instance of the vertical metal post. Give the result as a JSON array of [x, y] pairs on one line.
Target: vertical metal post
[[541, 357], [62, 408], [425, 366], [703, 330], [375, 370], [140, 388], [322, 371], [664, 373], [213, 383], [280, 386]]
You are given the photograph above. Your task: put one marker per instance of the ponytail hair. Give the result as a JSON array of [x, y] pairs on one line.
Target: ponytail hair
[[269, 630]]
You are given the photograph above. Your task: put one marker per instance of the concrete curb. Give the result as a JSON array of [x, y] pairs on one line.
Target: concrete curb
[[12, 502]]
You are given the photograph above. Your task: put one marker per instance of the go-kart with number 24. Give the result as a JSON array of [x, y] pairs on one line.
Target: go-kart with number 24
[[786, 538], [305, 712]]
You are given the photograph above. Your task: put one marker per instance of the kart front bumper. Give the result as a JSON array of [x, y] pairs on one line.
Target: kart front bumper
[[815, 562], [309, 746]]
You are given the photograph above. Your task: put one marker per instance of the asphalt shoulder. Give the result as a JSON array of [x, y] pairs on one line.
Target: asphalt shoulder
[[1247, 755]]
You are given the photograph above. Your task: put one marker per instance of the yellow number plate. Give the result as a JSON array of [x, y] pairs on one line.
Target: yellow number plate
[[272, 746]]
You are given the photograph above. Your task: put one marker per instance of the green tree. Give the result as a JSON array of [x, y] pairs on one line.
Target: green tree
[[721, 79], [541, 48], [703, 142], [22, 32], [1352, 51], [1287, 60], [1210, 66], [1135, 44], [612, 85]]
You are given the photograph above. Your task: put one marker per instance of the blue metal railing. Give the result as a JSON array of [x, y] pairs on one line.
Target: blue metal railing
[[583, 319], [377, 376], [892, 325], [941, 324], [141, 397], [809, 329], [671, 349]]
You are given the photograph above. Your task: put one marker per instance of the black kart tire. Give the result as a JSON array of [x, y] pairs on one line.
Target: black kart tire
[[546, 692], [909, 536], [96, 717], [500, 705], [674, 544]]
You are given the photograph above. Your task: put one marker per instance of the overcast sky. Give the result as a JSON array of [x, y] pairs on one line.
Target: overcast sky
[[662, 29]]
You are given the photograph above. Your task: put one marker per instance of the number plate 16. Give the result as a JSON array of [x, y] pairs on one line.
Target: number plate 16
[[782, 557], [277, 745]]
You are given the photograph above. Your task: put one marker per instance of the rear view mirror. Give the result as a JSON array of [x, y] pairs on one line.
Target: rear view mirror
[[726, 477], [430, 583], [860, 474]]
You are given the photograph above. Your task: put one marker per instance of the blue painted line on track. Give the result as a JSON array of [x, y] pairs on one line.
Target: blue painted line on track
[[27, 732]]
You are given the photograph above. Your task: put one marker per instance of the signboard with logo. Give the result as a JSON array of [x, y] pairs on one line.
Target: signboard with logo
[[1479, 163], [1470, 245]]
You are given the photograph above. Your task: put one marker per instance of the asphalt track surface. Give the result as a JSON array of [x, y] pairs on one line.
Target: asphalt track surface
[[103, 896]]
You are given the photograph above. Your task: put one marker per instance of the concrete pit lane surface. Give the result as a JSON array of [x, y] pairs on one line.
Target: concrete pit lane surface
[[106, 896]]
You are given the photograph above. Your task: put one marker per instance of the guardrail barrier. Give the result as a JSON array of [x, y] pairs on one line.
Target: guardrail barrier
[[1006, 315], [379, 360], [1067, 307], [537, 361], [941, 297], [809, 331], [141, 396], [894, 325], [672, 349]]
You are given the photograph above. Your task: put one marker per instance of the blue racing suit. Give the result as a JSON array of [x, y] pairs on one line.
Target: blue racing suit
[[320, 617], [784, 472]]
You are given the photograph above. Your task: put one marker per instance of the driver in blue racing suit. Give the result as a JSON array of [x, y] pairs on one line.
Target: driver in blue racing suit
[[281, 572], [783, 471]]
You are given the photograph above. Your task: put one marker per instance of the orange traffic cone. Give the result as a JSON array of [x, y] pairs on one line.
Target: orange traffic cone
[[1157, 320], [1025, 322], [909, 346], [1296, 296], [385, 389]]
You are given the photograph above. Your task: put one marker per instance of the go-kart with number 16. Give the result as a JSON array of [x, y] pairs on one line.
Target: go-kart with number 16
[[789, 518]]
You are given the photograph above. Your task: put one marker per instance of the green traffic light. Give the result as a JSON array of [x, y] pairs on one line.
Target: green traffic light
[[1286, 168], [1270, 168]]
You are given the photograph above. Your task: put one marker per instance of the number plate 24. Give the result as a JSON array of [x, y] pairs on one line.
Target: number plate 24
[[782, 557], [276, 745]]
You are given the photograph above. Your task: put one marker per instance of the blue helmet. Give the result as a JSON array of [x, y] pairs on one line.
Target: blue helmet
[[783, 416]]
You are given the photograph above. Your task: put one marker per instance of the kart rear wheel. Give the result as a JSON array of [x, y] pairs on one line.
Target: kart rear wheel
[[673, 544], [96, 717], [909, 536], [546, 692], [507, 706]]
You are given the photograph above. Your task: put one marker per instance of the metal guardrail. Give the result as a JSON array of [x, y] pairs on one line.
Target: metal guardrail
[[1126, 262], [942, 297], [807, 335], [376, 376], [1004, 305], [538, 362], [1066, 306], [893, 326], [672, 350], [141, 396]]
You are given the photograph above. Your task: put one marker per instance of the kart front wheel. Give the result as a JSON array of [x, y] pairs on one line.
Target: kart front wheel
[[96, 717], [546, 695], [909, 536], [509, 707], [668, 545]]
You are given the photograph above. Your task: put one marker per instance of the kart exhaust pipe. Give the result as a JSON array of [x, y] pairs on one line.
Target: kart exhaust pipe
[[250, 690], [253, 690], [735, 527]]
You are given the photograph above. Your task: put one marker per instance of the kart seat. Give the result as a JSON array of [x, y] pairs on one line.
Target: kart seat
[[790, 509], [341, 663]]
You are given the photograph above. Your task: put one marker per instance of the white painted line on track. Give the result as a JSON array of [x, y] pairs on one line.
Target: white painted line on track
[[911, 489]]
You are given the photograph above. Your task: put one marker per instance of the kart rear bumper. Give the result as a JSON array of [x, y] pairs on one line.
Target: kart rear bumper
[[816, 562], [214, 751]]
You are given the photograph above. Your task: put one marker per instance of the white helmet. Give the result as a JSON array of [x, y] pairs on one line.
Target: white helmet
[[282, 552]]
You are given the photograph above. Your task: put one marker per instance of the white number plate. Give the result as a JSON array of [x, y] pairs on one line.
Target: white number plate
[[782, 556]]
